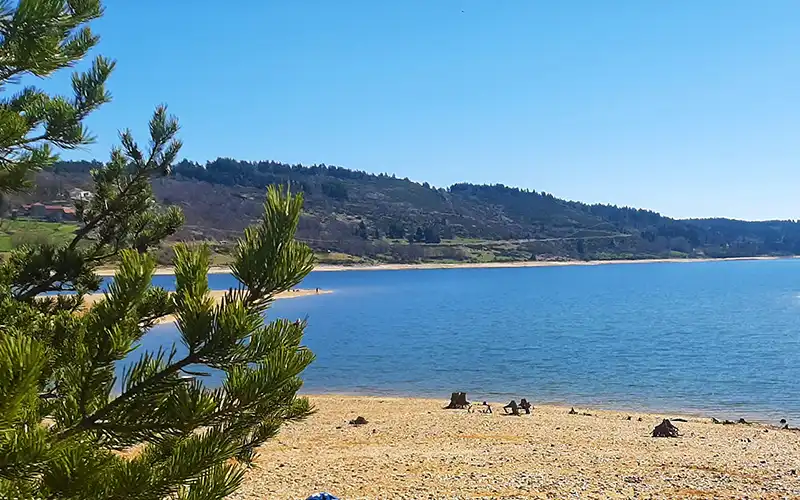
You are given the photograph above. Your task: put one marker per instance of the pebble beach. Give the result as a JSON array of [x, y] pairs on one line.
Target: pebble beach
[[413, 448]]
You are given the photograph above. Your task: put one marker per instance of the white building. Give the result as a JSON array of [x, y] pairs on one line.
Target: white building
[[77, 194]]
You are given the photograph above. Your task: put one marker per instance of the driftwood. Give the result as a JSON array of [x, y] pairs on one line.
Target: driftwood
[[359, 421], [729, 422], [665, 429], [482, 408]]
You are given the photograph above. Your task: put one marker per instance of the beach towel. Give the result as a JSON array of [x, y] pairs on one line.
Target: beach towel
[[322, 496]]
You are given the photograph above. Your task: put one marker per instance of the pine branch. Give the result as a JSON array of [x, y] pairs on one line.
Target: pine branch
[[90, 421], [92, 224]]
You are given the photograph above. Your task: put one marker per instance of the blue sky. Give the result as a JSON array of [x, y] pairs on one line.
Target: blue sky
[[688, 107]]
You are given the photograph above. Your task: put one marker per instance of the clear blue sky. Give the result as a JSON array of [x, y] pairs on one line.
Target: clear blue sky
[[688, 107]]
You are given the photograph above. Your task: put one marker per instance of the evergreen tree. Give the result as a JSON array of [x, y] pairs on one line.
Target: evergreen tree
[[64, 414], [396, 230], [361, 231], [61, 420], [431, 235], [38, 38]]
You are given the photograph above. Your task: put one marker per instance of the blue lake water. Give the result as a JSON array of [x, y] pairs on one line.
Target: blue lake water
[[715, 338]]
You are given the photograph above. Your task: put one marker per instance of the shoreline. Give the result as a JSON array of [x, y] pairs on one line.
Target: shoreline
[[168, 270], [752, 417], [764, 418], [413, 448], [218, 295], [687, 414], [524, 264]]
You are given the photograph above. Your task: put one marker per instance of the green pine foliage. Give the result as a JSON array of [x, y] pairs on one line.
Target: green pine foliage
[[38, 38], [61, 422], [69, 428]]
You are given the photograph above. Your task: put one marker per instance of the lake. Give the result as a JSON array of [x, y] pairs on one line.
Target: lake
[[713, 338]]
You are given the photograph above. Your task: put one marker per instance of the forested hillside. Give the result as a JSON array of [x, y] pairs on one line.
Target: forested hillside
[[352, 215]]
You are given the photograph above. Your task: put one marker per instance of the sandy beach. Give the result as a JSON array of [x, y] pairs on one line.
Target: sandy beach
[[166, 270], [515, 264], [412, 448], [218, 295]]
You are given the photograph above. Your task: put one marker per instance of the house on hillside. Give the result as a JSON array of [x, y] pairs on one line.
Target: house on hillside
[[77, 194]]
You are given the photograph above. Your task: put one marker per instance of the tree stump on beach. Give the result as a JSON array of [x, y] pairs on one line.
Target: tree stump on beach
[[359, 421], [665, 430], [458, 401]]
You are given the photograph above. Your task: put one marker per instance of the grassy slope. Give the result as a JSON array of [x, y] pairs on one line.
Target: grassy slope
[[16, 232], [20, 231]]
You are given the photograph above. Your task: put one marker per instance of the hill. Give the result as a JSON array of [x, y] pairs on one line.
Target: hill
[[357, 216]]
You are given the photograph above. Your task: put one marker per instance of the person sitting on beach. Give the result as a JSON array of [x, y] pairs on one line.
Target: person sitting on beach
[[513, 407], [525, 405]]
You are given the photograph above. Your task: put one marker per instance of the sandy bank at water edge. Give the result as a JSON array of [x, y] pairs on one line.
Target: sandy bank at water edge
[[219, 294], [503, 265], [161, 271], [412, 448], [166, 270]]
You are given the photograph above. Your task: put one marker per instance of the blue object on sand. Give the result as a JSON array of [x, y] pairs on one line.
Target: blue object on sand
[[322, 496]]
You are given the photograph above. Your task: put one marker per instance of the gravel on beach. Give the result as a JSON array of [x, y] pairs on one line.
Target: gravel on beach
[[412, 448]]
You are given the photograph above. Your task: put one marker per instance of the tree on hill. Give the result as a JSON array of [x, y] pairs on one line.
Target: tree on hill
[[396, 230], [418, 236], [361, 230], [65, 415], [431, 235]]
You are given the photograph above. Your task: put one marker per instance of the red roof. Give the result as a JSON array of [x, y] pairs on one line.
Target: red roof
[[51, 208], [59, 208]]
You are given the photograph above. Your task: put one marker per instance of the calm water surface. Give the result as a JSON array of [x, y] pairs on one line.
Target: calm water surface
[[717, 338]]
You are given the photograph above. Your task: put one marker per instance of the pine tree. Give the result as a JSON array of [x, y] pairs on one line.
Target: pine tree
[[38, 38], [64, 416], [61, 423]]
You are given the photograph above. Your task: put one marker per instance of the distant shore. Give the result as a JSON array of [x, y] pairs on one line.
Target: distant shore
[[516, 264], [413, 448], [217, 295], [167, 270]]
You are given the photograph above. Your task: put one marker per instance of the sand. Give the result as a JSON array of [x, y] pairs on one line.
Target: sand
[[412, 448], [517, 264], [218, 295], [166, 270], [161, 271]]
